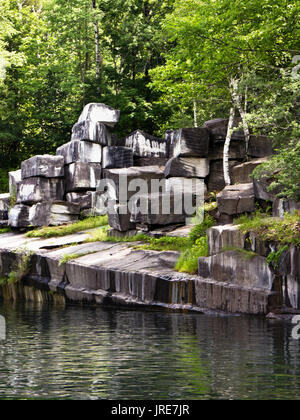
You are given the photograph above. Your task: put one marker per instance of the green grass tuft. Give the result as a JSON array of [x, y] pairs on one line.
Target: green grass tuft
[[5, 230]]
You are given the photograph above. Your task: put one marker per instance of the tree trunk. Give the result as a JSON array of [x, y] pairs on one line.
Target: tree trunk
[[195, 114], [233, 89], [243, 114], [97, 49]]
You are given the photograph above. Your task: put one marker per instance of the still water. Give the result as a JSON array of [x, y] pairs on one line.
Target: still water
[[105, 353]]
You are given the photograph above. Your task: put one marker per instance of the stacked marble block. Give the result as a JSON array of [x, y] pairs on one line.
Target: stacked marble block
[[91, 149], [39, 190]]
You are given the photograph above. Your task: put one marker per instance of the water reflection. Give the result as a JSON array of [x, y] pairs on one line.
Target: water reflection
[[75, 352]]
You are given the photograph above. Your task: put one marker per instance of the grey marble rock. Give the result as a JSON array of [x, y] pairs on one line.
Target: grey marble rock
[[127, 182], [189, 142], [120, 218], [216, 180], [14, 177], [99, 203], [260, 147], [19, 216], [179, 185], [82, 176], [117, 157], [237, 150], [218, 129], [53, 214], [280, 207], [4, 206], [84, 199], [97, 112], [189, 167], [152, 161], [236, 199], [37, 189], [43, 166], [80, 151], [146, 146], [241, 174], [91, 131]]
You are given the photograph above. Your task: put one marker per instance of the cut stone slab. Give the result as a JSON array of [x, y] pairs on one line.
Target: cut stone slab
[[120, 218], [218, 129], [4, 206], [189, 142], [187, 168], [158, 209], [82, 176], [53, 214], [237, 150], [99, 205], [84, 199], [216, 180], [280, 207], [43, 166], [260, 147], [19, 216], [34, 190], [146, 146], [236, 268], [80, 151], [117, 157], [221, 237], [241, 174], [236, 199], [97, 112], [180, 185], [91, 131], [154, 161], [261, 187], [133, 178], [15, 177]]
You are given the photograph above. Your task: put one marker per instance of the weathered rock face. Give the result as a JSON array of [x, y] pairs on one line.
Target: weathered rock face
[[4, 206], [117, 157], [80, 151], [34, 190], [53, 214], [92, 131], [15, 178], [189, 142], [237, 150], [218, 129], [221, 237], [158, 209], [281, 206], [260, 147], [187, 168], [19, 216], [83, 199], [161, 162], [289, 268], [178, 185], [82, 176], [232, 267], [120, 218], [216, 180], [100, 113], [127, 182], [261, 187], [236, 199], [43, 166], [99, 203], [146, 146], [242, 173]]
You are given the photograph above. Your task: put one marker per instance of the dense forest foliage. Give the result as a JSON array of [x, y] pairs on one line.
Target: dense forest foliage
[[164, 63]]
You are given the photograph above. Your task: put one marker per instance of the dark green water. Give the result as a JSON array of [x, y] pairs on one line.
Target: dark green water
[[96, 353]]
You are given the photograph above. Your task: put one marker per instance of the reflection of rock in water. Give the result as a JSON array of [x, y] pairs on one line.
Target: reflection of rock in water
[[2, 328]]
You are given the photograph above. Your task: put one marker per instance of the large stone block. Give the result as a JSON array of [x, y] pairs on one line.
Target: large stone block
[[84, 199], [43, 166], [15, 177], [144, 145], [158, 209], [120, 218], [241, 174], [236, 199], [152, 161], [117, 157], [80, 151], [218, 129], [53, 214], [124, 183], [82, 176], [178, 185], [216, 180], [260, 146], [187, 168], [189, 142], [91, 131], [280, 207], [237, 150], [4, 206], [34, 190], [96, 112], [261, 189], [99, 203], [19, 216]]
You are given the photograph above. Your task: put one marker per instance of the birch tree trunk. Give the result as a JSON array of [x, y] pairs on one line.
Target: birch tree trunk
[[233, 89], [195, 114], [243, 113], [97, 47]]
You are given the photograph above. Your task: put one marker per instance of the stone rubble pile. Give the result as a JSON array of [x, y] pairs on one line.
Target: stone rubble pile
[[50, 190]]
